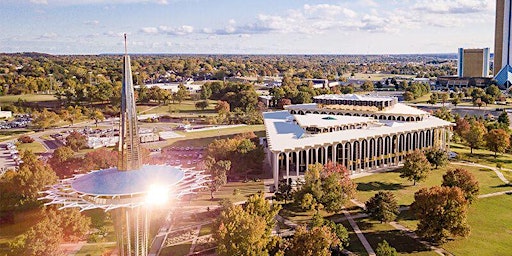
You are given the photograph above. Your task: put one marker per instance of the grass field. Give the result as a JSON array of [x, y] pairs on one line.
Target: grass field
[[491, 228], [481, 156], [35, 147], [404, 190], [374, 77], [26, 97], [96, 249], [176, 250], [375, 232], [187, 106], [226, 192], [22, 222]]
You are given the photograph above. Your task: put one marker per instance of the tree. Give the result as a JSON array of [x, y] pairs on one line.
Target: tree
[[181, 94], [60, 161], [382, 207], [475, 136], [437, 157], [329, 186], [503, 120], [442, 212], [497, 141], [31, 177], [76, 141], [96, 115], [464, 180], [456, 100], [257, 205], [218, 173], [283, 102], [202, 104], [462, 127], [444, 98], [337, 189], [384, 249], [56, 226], [416, 167], [478, 102], [367, 86], [433, 98], [284, 191], [240, 233], [317, 241], [408, 96], [222, 108]]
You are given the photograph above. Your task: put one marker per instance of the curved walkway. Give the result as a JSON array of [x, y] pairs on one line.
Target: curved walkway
[[496, 170]]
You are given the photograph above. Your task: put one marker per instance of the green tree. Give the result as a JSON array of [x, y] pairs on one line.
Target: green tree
[[367, 86], [317, 241], [257, 205], [503, 120], [408, 96], [384, 249], [416, 167], [456, 100], [464, 180], [433, 98], [181, 94], [284, 191], [76, 141], [437, 157], [442, 212], [337, 189], [497, 141], [202, 104], [444, 98], [222, 108], [97, 116], [218, 173], [240, 233], [382, 206], [475, 136], [42, 239]]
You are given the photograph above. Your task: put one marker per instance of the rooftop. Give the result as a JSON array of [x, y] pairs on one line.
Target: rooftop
[[283, 135], [328, 121], [398, 109], [352, 97]]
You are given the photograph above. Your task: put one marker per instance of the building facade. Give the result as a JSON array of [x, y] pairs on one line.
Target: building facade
[[502, 43], [473, 62], [360, 132]]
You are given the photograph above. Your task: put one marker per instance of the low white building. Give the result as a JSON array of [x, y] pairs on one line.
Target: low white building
[[360, 132]]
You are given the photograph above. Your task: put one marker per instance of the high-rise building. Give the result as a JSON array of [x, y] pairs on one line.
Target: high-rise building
[[473, 62], [502, 43]]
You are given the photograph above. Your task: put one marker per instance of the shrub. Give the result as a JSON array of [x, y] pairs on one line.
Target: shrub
[[25, 139]]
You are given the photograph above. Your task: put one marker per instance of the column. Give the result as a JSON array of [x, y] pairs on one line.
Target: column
[[275, 167], [297, 154], [334, 154], [287, 164], [317, 159], [307, 158], [326, 148]]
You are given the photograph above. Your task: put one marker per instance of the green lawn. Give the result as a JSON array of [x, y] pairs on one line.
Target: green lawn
[[376, 232], [404, 190], [422, 99], [22, 222], [491, 228], [226, 192], [374, 77], [176, 250], [26, 97], [35, 147], [187, 106], [481, 156], [96, 249], [206, 229]]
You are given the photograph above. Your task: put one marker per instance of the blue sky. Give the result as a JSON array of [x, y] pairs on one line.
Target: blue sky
[[246, 27]]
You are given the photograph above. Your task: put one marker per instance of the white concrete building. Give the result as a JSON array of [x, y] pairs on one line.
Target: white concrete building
[[360, 132]]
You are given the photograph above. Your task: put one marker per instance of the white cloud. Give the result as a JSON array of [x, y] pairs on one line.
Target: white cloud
[[92, 22], [453, 6], [39, 1], [149, 30], [180, 31]]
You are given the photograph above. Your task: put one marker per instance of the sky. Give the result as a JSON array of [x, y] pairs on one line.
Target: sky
[[246, 26]]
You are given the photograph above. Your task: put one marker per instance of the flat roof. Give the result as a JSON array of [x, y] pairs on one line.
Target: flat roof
[[112, 182], [328, 121], [356, 97], [398, 109], [284, 135]]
